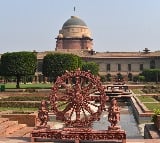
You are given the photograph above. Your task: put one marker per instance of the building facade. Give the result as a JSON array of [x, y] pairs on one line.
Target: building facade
[[75, 37]]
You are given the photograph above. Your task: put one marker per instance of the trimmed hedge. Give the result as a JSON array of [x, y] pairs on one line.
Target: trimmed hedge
[[19, 104], [25, 98]]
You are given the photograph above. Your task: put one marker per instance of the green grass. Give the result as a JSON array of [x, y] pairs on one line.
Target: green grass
[[137, 91], [25, 98], [64, 105], [33, 85], [146, 99], [18, 109], [152, 106]]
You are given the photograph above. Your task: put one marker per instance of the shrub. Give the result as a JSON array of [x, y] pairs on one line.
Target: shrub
[[19, 104], [103, 78], [108, 76], [25, 98], [156, 112]]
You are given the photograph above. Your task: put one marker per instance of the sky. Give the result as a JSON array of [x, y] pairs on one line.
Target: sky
[[116, 25]]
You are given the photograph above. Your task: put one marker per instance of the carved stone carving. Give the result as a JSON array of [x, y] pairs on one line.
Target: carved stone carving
[[113, 114], [75, 98], [72, 101], [42, 114]]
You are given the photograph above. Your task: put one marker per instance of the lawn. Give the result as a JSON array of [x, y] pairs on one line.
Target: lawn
[[25, 98], [137, 91], [152, 106], [18, 109], [32, 85], [146, 99]]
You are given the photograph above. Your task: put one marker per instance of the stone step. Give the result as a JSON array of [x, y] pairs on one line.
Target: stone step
[[14, 128], [23, 132], [2, 120], [6, 125]]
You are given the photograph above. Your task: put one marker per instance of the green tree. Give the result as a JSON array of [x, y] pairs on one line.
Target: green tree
[[91, 66], [55, 65], [108, 76], [102, 78], [18, 64], [119, 77], [130, 76], [141, 78], [135, 78], [151, 75]]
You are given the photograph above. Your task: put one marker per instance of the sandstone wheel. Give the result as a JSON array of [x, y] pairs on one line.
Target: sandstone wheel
[[72, 98]]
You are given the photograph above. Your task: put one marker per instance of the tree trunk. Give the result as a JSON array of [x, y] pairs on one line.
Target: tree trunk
[[18, 80]]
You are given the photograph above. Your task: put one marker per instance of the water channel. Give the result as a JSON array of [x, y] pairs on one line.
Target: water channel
[[127, 122]]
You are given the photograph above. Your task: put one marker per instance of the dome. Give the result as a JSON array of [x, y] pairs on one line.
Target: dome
[[86, 35], [60, 36], [74, 21]]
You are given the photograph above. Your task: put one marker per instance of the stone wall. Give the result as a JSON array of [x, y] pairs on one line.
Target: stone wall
[[28, 119], [135, 65], [141, 114]]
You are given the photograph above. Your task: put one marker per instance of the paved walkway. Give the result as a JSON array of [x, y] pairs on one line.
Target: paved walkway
[[25, 140]]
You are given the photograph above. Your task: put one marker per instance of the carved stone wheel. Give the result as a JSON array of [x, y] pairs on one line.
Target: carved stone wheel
[[72, 98]]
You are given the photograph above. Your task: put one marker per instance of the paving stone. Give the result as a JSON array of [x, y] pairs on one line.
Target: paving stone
[[14, 128], [6, 125], [2, 120], [21, 132]]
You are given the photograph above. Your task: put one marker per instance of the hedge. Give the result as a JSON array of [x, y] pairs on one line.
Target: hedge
[[19, 104], [25, 98]]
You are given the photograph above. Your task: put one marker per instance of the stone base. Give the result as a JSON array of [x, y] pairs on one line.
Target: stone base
[[42, 128], [80, 134], [114, 128], [151, 132]]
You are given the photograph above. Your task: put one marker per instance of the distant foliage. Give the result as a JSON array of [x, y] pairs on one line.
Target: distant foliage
[[103, 78], [135, 78], [119, 77], [90, 66], [130, 76], [55, 65], [151, 75], [156, 112], [18, 64], [141, 78], [108, 77]]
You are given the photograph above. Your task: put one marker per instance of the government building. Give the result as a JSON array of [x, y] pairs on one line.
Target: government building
[[75, 37]]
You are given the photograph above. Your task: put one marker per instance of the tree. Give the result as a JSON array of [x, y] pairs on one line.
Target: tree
[[18, 64], [141, 78], [108, 76], [91, 66], [119, 77], [130, 76], [151, 75], [55, 65]]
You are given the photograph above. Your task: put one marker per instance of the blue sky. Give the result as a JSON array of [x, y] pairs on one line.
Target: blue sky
[[116, 25]]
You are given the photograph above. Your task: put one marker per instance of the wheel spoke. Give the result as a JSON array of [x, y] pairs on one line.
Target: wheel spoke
[[87, 108], [78, 111], [93, 91], [84, 112], [72, 96], [64, 103], [72, 112], [92, 104], [63, 98], [69, 91], [68, 107], [88, 87]]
